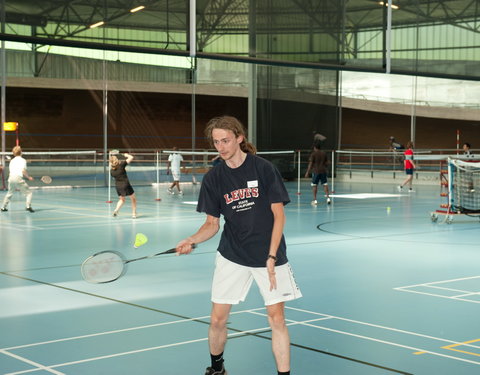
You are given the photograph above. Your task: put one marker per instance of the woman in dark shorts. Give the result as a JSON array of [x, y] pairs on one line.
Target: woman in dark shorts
[[122, 184]]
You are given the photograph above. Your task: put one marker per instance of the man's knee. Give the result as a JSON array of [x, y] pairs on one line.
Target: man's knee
[[219, 318], [218, 322], [276, 318]]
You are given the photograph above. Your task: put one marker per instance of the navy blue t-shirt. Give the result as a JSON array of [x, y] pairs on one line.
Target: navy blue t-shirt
[[244, 196]]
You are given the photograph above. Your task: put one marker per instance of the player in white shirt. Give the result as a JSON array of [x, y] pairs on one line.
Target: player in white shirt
[[174, 162], [17, 171]]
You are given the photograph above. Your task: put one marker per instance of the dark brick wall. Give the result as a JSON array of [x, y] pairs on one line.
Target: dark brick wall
[[364, 129], [72, 119]]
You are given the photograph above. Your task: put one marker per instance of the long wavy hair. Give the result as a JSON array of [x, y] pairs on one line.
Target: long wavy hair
[[235, 126]]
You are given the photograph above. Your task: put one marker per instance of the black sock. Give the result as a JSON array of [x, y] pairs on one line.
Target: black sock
[[217, 361], [284, 373]]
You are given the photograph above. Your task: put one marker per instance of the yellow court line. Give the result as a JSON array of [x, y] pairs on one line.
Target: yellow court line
[[418, 353], [450, 347]]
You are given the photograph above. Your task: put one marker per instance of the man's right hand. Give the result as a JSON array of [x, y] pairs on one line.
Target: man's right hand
[[185, 246]]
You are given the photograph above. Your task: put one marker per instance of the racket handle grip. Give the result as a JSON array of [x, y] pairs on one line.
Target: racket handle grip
[[194, 246]]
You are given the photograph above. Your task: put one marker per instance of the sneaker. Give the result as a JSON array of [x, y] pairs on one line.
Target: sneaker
[[170, 190], [399, 188], [115, 213], [314, 202], [134, 216], [411, 190], [329, 201], [211, 371], [30, 209], [4, 209], [180, 192]]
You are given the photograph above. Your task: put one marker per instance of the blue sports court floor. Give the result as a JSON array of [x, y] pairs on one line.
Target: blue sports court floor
[[386, 290]]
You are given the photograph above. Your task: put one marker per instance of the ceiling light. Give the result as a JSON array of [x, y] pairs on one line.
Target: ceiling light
[[137, 9], [97, 24], [386, 4]]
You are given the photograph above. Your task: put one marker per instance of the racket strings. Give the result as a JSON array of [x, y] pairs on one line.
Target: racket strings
[[103, 267], [46, 179]]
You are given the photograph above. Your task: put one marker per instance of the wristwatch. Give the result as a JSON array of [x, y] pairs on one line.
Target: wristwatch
[[273, 257]]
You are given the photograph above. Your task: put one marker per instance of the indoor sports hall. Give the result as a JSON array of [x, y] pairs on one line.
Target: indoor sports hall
[[385, 289], [386, 257]]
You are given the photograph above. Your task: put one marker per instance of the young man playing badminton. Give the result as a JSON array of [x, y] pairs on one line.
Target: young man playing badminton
[[249, 192], [174, 163], [317, 164], [409, 166], [18, 170], [122, 183]]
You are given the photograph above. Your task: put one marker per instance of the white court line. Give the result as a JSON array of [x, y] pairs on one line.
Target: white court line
[[409, 289], [467, 294], [111, 356], [366, 195], [390, 329], [82, 214], [253, 311], [391, 343], [19, 227], [442, 282], [138, 350], [35, 364], [329, 317], [436, 295], [116, 221], [121, 330], [450, 289], [158, 347]]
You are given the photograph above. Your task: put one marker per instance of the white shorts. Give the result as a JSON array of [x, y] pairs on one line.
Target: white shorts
[[175, 175], [232, 281]]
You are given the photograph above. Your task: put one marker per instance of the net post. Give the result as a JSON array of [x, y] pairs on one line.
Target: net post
[[371, 164], [333, 172], [109, 184], [298, 172], [450, 182], [458, 141], [95, 168], [3, 176], [350, 160], [157, 167]]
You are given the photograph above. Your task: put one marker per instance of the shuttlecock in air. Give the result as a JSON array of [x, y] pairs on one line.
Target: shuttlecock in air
[[140, 239]]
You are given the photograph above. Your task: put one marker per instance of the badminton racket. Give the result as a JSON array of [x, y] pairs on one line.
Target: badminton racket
[[107, 266], [46, 179]]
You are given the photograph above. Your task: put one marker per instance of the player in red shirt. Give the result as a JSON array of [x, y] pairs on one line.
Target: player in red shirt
[[409, 166]]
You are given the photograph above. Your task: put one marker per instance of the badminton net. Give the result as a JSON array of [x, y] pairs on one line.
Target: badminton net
[[67, 169], [464, 186], [197, 163]]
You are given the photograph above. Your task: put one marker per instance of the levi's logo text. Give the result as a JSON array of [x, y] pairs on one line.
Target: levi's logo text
[[241, 198]]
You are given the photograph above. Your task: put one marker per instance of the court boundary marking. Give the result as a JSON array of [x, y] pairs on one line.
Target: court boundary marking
[[241, 333], [433, 285]]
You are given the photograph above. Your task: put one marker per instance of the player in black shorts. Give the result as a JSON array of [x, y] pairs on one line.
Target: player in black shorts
[[122, 184], [317, 164]]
